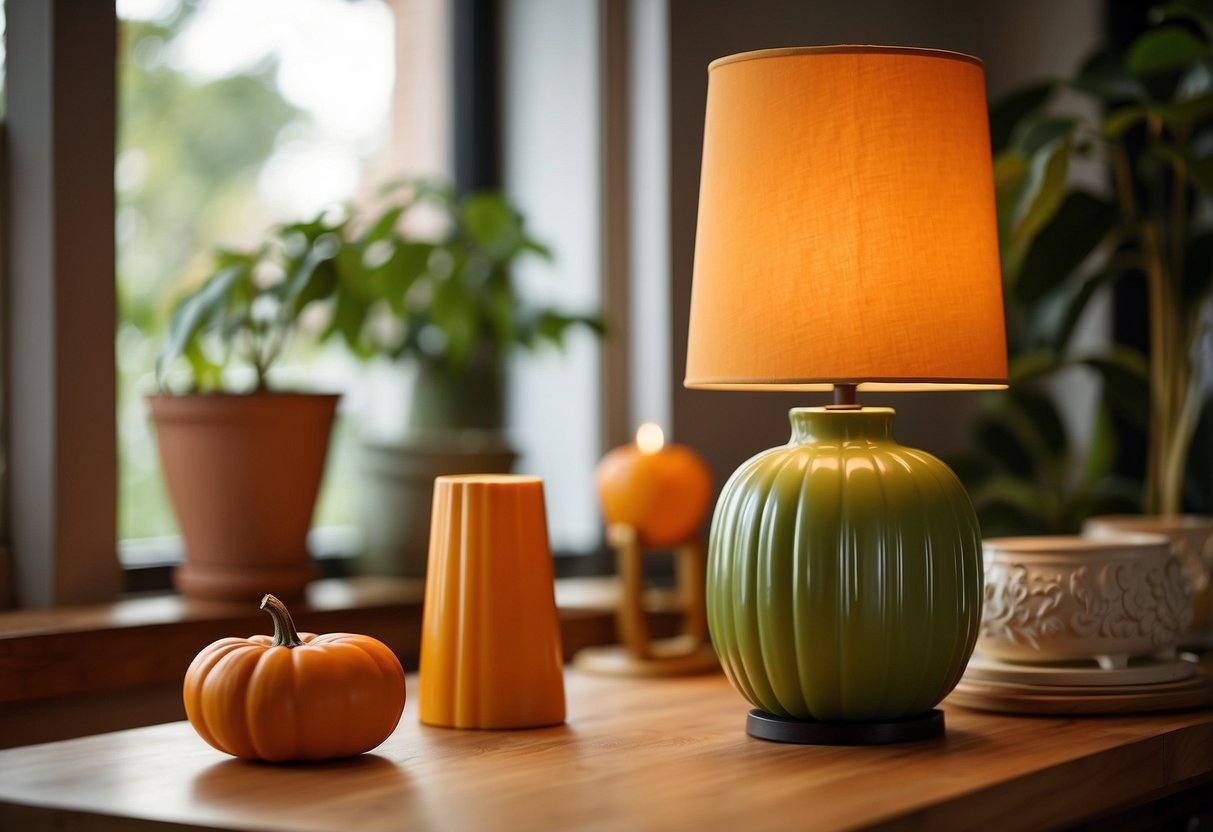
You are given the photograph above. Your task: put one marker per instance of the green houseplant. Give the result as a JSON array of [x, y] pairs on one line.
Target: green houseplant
[[1146, 131], [242, 463], [426, 281], [443, 297]]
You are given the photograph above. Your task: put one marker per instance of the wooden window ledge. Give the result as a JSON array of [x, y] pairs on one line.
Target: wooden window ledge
[[75, 671]]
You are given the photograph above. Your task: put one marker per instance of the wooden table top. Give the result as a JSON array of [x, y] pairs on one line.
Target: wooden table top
[[635, 754]]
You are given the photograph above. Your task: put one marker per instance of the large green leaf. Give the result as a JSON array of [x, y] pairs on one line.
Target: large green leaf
[[1114, 494], [1040, 133], [1104, 75], [1039, 419], [1198, 270], [1198, 169], [1002, 518], [1079, 299], [457, 317], [1101, 455], [1121, 120], [1081, 223], [1007, 112], [208, 374], [491, 224], [535, 247], [971, 467], [203, 308], [1199, 12], [351, 271], [1026, 367], [1003, 445], [349, 317], [553, 327], [320, 285], [502, 315], [1126, 386], [1164, 50], [1047, 145], [302, 284], [1198, 476], [1010, 504], [1197, 82], [398, 274], [383, 226], [1186, 112], [1010, 174]]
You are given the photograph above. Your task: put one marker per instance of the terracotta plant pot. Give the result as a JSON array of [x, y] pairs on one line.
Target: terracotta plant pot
[[243, 472]]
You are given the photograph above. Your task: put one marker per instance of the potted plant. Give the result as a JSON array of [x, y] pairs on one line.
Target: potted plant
[[442, 302], [242, 462], [1146, 130]]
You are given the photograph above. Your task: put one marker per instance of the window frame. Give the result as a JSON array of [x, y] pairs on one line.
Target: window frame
[[62, 301]]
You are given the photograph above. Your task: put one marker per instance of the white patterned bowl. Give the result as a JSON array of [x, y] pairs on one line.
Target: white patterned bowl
[[1191, 538], [1063, 598]]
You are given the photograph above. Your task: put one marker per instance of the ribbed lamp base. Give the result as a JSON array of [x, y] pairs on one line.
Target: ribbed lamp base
[[765, 726]]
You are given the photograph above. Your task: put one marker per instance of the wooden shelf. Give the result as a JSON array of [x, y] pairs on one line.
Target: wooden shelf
[[73, 671], [635, 754], [147, 641]]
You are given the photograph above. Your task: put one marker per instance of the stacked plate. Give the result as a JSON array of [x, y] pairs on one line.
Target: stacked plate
[[1145, 684]]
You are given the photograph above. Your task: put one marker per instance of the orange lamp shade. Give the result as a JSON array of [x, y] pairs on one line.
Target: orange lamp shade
[[663, 491], [846, 230]]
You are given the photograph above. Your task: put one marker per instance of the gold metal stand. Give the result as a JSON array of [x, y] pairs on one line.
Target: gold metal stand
[[640, 654]]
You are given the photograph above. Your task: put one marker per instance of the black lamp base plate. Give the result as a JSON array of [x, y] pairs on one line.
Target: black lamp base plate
[[766, 726]]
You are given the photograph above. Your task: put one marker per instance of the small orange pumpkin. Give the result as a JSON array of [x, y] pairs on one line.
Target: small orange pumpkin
[[294, 696]]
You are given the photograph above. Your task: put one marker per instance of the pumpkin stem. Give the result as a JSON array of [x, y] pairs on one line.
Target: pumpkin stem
[[285, 634]]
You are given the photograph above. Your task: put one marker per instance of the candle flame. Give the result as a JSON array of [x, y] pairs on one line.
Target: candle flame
[[650, 438]]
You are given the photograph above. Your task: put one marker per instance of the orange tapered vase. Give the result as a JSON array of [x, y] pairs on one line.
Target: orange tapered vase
[[490, 640]]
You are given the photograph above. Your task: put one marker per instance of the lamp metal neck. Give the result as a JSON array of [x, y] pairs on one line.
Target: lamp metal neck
[[844, 398]]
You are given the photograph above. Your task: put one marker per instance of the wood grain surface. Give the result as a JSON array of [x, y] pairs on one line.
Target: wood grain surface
[[635, 754], [73, 671]]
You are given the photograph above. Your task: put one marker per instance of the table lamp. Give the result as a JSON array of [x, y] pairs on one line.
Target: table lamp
[[846, 240]]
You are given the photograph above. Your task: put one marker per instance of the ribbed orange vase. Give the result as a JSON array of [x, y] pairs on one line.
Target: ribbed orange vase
[[490, 640]]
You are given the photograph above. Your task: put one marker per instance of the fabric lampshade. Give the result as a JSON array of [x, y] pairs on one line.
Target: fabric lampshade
[[846, 230]]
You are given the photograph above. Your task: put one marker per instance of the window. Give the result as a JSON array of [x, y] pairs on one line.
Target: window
[[64, 459], [194, 171], [551, 135], [6, 590], [234, 117]]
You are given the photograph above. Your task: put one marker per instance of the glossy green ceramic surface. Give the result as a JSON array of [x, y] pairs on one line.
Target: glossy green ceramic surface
[[844, 573]]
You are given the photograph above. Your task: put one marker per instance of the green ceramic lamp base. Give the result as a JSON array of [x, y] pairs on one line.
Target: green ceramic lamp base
[[766, 726], [844, 580]]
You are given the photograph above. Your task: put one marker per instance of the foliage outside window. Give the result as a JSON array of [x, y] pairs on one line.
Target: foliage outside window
[[233, 117], [1061, 244]]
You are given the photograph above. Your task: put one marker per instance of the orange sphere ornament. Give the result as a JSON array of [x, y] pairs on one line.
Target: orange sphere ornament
[[295, 696], [662, 491]]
